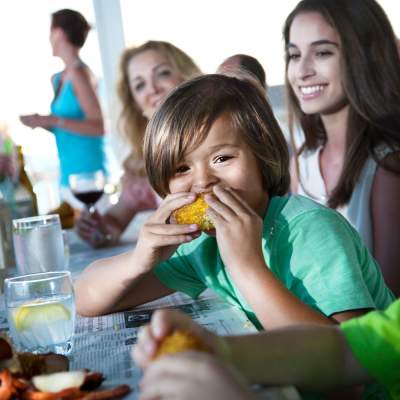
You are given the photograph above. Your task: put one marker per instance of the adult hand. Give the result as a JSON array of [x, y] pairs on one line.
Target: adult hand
[[158, 239], [39, 121], [238, 228], [92, 228], [162, 324], [192, 376]]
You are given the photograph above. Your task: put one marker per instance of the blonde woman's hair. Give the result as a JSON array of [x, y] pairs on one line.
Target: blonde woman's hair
[[187, 114], [132, 123]]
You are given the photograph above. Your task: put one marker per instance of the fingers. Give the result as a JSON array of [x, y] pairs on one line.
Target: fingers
[[166, 235], [146, 347], [225, 205], [176, 376], [164, 322], [92, 229], [171, 203], [30, 120], [174, 240], [91, 220], [163, 375], [231, 199]]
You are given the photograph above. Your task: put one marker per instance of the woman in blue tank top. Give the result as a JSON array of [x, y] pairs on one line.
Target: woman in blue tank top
[[76, 119]]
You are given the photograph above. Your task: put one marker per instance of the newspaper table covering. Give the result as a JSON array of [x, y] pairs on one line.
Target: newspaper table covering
[[104, 343]]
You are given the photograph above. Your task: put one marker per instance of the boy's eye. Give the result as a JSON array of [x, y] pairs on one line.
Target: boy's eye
[[221, 159], [181, 169]]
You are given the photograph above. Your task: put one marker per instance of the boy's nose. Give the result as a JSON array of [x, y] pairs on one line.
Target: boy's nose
[[204, 180]]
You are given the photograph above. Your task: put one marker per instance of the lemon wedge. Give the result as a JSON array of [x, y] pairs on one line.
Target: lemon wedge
[[40, 313]]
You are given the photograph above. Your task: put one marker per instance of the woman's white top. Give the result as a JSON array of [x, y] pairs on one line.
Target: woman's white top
[[358, 209]]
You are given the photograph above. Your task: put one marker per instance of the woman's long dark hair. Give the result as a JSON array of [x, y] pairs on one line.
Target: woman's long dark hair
[[371, 81]]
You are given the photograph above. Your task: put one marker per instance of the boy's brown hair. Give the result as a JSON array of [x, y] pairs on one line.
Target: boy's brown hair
[[186, 116]]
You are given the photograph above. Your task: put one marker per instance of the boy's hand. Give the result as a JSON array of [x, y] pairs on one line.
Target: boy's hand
[[238, 228], [158, 238], [162, 324], [192, 375]]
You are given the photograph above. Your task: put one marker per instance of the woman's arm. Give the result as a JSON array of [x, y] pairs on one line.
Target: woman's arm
[[85, 91], [92, 125], [385, 214]]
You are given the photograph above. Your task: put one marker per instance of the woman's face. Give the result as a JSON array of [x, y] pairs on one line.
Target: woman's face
[[54, 39], [151, 78], [314, 66]]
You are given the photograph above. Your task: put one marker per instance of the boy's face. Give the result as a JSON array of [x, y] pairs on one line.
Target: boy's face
[[222, 159]]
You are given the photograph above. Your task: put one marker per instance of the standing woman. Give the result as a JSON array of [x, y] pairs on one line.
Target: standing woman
[[148, 73], [343, 83], [76, 119]]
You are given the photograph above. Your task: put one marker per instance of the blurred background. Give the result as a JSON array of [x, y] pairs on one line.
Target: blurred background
[[220, 28]]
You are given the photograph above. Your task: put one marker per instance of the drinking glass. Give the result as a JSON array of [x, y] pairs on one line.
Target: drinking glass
[[41, 312], [38, 244], [88, 187]]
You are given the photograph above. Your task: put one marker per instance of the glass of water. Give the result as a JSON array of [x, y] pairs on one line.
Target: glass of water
[[41, 312], [38, 244]]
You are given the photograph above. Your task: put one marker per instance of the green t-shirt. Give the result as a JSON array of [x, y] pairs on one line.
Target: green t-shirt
[[311, 249], [375, 342]]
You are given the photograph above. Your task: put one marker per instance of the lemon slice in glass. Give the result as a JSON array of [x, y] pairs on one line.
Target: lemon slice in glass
[[40, 313]]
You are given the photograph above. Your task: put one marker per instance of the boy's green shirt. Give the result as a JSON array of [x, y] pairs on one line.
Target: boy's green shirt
[[311, 249]]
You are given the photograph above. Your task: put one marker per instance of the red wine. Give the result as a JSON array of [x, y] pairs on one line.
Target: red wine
[[90, 197]]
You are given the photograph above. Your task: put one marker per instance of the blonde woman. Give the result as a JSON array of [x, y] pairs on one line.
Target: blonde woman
[[147, 74]]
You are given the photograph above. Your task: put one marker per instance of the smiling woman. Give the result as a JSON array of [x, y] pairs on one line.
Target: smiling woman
[[343, 83]]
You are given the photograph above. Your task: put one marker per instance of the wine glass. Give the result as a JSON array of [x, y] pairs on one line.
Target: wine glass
[[88, 187]]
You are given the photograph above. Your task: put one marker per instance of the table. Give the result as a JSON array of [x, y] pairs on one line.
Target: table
[[104, 343]]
